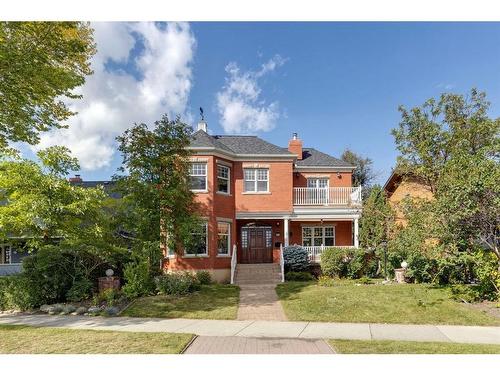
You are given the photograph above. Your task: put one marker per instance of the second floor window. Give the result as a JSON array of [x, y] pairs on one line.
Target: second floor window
[[256, 180], [198, 176], [223, 178]]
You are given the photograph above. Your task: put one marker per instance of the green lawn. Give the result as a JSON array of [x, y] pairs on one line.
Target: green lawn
[[19, 339], [409, 347], [377, 303], [211, 302]]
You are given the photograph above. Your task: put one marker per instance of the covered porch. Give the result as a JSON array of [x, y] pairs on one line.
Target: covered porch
[[260, 237]]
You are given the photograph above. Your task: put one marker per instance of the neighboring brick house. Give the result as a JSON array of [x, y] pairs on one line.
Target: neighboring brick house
[[399, 187], [257, 197]]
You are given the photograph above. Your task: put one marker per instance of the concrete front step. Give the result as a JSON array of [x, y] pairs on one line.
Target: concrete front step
[[258, 274]]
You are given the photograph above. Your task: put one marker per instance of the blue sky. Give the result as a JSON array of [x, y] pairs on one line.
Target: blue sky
[[337, 84]]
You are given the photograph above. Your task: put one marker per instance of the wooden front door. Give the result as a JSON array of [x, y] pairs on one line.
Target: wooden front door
[[256, 245]]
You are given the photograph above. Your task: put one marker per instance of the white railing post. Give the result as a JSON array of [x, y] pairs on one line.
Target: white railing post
[[234, 262], [282, 264]]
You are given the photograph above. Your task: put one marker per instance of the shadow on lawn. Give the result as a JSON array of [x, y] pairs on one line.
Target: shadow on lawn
[[290, 289], [215, 299]]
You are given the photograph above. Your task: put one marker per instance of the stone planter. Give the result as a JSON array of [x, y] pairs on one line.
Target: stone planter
[[400, 275]]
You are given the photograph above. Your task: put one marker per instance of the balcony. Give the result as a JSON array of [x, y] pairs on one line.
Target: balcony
[[328, 196]]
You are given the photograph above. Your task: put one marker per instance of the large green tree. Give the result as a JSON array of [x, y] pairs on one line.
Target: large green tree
[[41, 63], [158, 203], [363, 175], [442, 129], [454, 147], [40, 204], [377, 219]]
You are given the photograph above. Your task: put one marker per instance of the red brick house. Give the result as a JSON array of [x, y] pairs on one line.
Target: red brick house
[[257, 197]]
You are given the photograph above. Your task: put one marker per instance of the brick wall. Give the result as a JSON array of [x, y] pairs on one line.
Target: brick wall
[[279, 197]]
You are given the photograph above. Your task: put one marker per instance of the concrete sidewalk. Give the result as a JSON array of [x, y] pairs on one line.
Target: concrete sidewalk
[[269, 329]]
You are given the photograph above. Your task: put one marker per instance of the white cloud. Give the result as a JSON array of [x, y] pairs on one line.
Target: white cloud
[[446, 86], [239, 104], [114, 99]]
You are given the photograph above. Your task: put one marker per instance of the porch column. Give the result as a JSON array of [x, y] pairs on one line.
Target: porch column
[[286, 232], [356, 233]]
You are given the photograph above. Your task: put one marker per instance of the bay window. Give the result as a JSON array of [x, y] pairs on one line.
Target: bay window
[[198, 176], [223, 179]]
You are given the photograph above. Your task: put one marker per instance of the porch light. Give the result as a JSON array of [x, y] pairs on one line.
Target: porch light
[[339, 175]]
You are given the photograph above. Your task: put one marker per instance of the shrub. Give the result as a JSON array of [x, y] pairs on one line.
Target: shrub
[[326, 281], [296, 258], [110, 296], [47, 261], [16, 293], [204, 277], [487, 274], [80, 290], [177, 284], [335, 261], [138, 280], [419, 268], [298, 276], [467, 293], [365, 280], [357, 263]]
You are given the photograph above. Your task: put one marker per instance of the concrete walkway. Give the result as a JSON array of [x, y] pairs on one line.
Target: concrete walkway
[[259, 302], [252, 345], [269, 329]]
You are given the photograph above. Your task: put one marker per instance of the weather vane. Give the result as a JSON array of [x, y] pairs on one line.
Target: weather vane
[[201, 114]]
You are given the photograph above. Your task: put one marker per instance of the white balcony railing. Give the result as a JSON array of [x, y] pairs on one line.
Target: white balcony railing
[[328, 196], [314, 252]]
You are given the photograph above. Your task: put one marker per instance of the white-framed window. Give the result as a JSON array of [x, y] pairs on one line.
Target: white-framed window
[[256, 180], [317, 236], [223, 238], [198, 176], [198, 245], [317, 182], [223, 179]]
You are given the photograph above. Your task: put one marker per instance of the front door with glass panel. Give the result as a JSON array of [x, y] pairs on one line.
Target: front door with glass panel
[[318, 192], [256, 245]]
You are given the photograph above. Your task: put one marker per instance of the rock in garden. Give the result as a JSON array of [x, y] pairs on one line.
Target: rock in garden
[[45, 308], [68, 309], [55, 309], [94, 310], [112, 310], [81, 310]]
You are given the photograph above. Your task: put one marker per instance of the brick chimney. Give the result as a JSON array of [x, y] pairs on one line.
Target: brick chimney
[[295, 146], [76, 179]]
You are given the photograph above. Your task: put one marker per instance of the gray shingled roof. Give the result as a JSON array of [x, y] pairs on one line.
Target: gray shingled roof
[[314, 158], [237, 144], [107, 185], [249, 144]]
